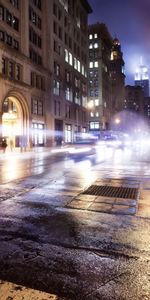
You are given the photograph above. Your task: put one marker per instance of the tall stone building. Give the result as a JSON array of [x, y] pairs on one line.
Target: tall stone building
[[117, 77], [106, 78], [99, 98], [43, 71]]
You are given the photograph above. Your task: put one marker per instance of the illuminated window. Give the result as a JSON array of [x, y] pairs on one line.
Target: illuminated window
[[96, 64], [94, 125], [75, 63], [90, 37], [66, 56], [97, 114], [82, 70], [70, 58], [84, 101], [91, 64], [90, 46], [96, 102], [95, 45], [91, 114], [95, 35], [79, 64]]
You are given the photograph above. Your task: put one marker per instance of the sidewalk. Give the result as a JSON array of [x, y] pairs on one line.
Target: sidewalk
[[11, 291]]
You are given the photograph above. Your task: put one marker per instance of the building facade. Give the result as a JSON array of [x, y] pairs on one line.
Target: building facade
[[99, 97], [106, 78], [142, 78], [117, 74], [134, 99], [132, 117], [43, 71]]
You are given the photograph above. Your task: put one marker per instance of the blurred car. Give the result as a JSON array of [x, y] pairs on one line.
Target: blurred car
[[114, 142], [81, 148]]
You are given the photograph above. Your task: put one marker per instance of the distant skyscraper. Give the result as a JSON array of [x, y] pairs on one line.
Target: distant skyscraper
[[142, 78], [117, 77]]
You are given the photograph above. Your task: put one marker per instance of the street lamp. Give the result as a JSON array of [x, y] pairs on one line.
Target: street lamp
[[117, 121]]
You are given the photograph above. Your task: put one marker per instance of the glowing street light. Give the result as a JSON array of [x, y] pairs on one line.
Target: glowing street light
[[90, 104], [117, 121]]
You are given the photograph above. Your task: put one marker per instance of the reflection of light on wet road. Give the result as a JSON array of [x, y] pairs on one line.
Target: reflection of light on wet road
[[16, 166], [83, 170], [11, 169]]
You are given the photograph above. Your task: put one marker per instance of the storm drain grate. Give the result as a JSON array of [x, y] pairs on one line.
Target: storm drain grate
[[112, 191]]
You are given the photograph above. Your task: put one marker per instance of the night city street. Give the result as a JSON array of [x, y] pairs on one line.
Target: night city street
[[74, 150], [58, 240]]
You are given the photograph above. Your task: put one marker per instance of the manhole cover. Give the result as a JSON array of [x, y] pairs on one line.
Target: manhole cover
[[112, 191]]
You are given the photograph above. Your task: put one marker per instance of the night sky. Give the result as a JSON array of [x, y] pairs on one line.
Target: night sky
[[129, 21]]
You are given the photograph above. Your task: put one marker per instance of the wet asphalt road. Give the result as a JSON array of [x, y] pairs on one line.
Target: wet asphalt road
[[75, 253]]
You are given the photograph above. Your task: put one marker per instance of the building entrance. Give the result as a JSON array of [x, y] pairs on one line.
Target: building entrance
[[13, 124]]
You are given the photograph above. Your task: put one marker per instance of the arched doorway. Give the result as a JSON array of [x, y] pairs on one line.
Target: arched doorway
[[15, 123]]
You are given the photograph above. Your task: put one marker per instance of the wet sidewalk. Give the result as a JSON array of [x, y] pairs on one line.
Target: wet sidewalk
[[11, 291]]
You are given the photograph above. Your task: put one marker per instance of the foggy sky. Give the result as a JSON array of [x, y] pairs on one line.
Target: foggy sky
[[128, 20]]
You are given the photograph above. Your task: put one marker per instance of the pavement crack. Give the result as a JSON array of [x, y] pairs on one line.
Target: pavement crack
[[112, 278]]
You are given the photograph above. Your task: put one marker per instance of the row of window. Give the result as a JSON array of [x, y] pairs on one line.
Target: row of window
[[94, 125], [69, 94], [93, 36], [93, 64], [35, 57], [69, 78], [75, 63], [95, 102], [93, 46], [11, 69], [34, 18], [93, 82], [68, 25], [75, 11], [36, 106], [94, 93], [93, 74], [57, 29], [37, 81], [94, 114], [35, 38], [9, 40], [9, 18], [70, 112]]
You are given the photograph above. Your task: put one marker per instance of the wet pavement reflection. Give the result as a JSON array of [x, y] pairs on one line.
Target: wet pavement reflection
[[51, 241]]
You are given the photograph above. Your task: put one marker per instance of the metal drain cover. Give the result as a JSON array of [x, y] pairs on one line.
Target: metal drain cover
[[112, 191]]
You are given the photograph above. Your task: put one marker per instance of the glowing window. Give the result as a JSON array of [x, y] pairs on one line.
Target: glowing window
[[96, 102], [90, 37], [91, 64], [70, 58], [66, 55], [96, 64], [95, 45]]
